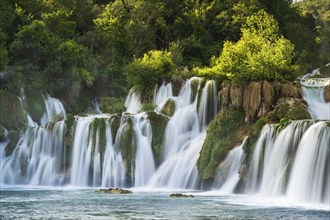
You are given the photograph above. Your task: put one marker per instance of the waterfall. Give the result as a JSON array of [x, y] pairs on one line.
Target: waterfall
[[144, 163], [184, 137], [293, 162], [310, 178], [208, 107], [38, 159], [313, 93], [95, 161], [163, 93], [132, 103], [228, 170]]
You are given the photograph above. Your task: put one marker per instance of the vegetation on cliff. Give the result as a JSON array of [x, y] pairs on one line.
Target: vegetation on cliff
[[79, 50]]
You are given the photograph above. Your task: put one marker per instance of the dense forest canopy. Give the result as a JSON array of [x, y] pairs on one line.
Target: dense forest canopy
[[75, 48]]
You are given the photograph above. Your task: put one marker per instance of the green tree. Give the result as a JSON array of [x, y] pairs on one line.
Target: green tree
[[154, 67], [261, 53]]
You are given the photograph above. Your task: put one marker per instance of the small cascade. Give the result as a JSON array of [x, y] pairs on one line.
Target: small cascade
[[90, 165], [38, 159], [292, 162], [310, 178], [183, 140], [162, 94], [256, 164], [208, 106], [133, 103], [228, 171], [313, 93], [144, 162], [54, 111]]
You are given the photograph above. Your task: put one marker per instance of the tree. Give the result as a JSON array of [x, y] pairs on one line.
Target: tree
[[260, 54], [154, 67]]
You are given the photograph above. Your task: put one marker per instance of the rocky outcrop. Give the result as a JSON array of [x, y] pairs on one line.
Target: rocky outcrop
[[236, 95], [327, 93], [169, 108], [223, 133], [252, 100], [291, 108], [158, 125], [115, 191], [259, 98]]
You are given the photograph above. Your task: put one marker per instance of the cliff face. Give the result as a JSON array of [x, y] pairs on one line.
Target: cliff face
[[269, 101], [263, 99]]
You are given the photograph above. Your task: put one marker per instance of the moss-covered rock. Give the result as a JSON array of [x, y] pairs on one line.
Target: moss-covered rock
[[127, 147], [13, 137], [114, 122], [12, 114], [34, 104], [169, 108], [115, 191], [180, 195], [158, 123], [290, 108], [69, 122], [223, 133]]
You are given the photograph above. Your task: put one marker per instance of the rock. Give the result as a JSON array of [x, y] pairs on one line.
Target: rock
[[251, 101], [222, 135], [115, 191], [236, 95], [267, 98], [180, 195], [158, 125], [277, 88], [290, 108], [127, 146], [225, 94], [327, 93], [287, 89], [169, 108]]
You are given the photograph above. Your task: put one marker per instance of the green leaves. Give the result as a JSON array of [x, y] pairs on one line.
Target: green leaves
[[260, 54], [154, 67]]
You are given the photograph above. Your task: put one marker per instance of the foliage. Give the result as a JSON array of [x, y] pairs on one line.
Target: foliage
[[92, 44], [154, 67], [260, 54], [148, 106]]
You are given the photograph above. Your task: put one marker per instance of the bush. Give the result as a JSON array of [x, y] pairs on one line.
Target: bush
[[154, 67]]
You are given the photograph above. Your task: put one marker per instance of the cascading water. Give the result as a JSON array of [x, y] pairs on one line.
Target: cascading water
[[39, 157], [92, 165], [313, 93], [144, 162], [163, 93], [132, 103], [184, 137], [310, 178], [228, 171], [293, 162]]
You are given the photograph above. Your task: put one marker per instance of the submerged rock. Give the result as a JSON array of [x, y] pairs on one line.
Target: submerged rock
[[115, 191], [180, 195]]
